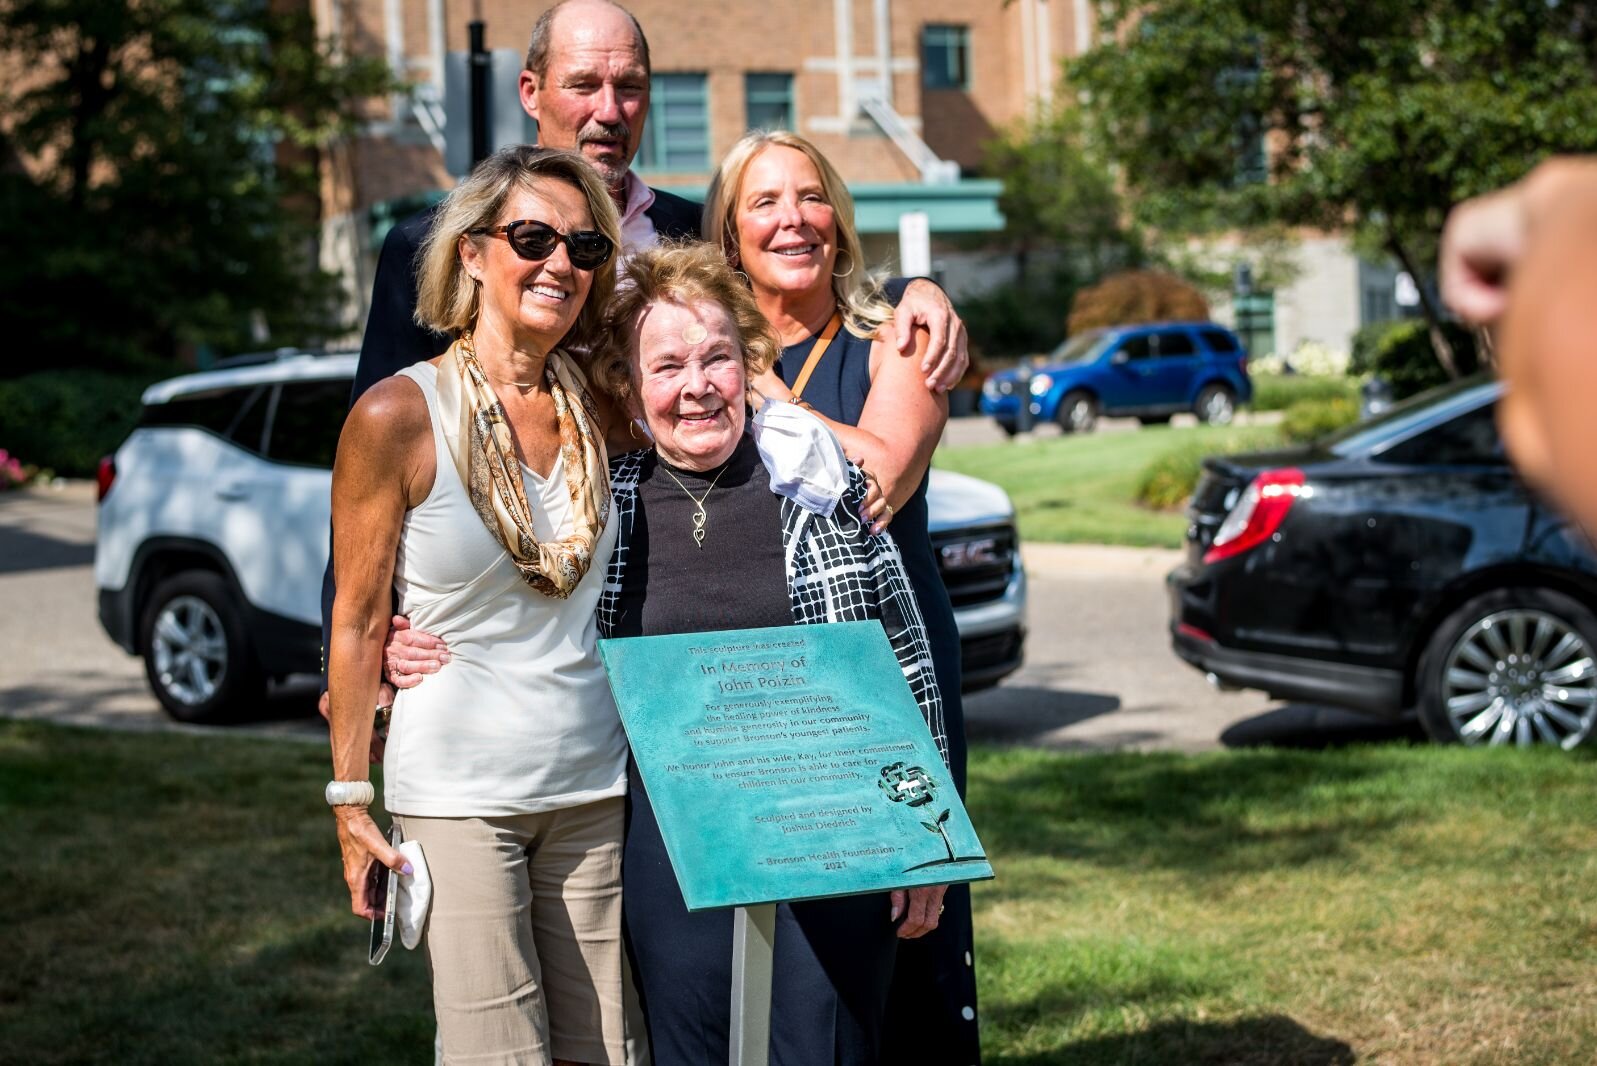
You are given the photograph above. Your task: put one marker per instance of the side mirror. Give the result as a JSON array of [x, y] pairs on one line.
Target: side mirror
[[1120, 358]]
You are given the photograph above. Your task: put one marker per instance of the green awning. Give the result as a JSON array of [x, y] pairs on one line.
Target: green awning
[[969, 206]]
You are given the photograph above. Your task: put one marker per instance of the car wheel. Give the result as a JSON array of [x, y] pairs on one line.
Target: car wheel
[[1078, 412], [196, 654], [1216, 405], [1009, 428], [1154, 420], [1514, 666]]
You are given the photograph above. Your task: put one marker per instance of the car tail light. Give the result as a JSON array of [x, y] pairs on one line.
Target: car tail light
[[1258, 514], [103, 476]]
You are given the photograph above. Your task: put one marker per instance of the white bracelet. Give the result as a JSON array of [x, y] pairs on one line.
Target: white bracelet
[[350, 793]]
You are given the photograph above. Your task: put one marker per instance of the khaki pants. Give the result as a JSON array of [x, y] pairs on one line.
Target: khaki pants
[[524, 935]]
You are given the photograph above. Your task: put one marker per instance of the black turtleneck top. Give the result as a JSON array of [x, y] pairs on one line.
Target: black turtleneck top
[[737, 580]]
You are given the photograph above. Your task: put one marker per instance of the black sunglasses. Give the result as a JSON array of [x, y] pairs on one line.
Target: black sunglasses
[[589, 249]]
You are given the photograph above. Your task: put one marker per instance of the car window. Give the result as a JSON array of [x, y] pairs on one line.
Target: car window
[[1082, 348], [236, 414], [1469, 440], [1172, 345], [305, 425], [1140, 347], [1219, 340], [1410, 416]]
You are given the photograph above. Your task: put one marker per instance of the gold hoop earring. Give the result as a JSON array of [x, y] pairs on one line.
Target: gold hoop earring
[[850, 270], [632, 428]]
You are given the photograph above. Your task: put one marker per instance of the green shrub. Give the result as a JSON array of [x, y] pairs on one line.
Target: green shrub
[[1401, 353], [1277, 392], [67, 420], [1167, 481], [1310, 420], [1361, 353]]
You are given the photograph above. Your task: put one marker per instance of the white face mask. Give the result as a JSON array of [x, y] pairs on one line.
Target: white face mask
[[806, 461], [415, 896]]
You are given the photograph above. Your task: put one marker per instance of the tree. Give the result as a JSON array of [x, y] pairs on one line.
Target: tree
[[1373, 117], [158, 188], [1057, 194], [1064, 219]]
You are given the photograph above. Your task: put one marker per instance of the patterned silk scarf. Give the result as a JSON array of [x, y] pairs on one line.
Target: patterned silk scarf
[[479, 440]]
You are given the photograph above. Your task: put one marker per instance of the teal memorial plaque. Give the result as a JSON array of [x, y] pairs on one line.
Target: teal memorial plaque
[[789, 763]]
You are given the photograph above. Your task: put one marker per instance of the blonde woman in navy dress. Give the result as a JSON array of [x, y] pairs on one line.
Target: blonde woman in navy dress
[[783, 217]]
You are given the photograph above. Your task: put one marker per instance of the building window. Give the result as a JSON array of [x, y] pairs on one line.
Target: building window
[[677, 135], [945, 57], [768, 101]]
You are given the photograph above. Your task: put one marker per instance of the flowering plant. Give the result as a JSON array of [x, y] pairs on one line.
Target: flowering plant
[[1310, 358], [12, 473], [1319, 360]]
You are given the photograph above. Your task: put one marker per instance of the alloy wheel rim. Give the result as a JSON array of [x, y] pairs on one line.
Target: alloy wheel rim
[[190, 649], [1080, 414], [1520, 676], [1219, 408]]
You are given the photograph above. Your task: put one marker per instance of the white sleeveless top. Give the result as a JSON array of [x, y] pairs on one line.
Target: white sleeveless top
[[521, 719]]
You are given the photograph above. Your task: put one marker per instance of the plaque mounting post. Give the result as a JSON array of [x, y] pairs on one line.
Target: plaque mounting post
[[753, 938]]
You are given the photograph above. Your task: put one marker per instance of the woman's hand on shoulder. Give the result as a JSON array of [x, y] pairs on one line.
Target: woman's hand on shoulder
[[946, 355]]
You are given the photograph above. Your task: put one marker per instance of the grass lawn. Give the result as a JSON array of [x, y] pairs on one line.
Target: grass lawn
[[1080, 489], [177, 899]]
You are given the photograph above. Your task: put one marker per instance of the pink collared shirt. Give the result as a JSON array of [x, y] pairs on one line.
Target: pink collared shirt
[[637, 229]]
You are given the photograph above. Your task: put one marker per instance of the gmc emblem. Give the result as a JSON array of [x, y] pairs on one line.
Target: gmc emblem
[[969, 553]]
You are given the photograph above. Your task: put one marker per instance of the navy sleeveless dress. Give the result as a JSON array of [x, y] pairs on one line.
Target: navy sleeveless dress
[[931, 1011]]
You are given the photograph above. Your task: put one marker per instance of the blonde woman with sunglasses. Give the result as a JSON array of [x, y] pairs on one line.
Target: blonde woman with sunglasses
[[475, 486]]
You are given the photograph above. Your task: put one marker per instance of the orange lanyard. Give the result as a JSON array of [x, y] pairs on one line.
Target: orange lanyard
[[819, 350]]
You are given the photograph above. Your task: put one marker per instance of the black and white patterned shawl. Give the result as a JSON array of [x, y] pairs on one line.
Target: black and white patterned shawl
[[837, 571]]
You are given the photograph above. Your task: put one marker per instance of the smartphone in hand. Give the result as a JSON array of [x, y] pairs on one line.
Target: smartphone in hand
[[382, 890]]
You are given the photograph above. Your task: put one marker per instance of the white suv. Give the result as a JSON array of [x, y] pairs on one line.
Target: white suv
[[213, 536]]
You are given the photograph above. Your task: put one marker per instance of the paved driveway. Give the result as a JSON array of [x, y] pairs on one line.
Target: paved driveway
[[1099, 672], [56, 662]]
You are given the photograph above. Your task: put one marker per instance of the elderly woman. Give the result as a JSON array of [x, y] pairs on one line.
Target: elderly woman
[[703, 544], [784, 218], [475, 485]]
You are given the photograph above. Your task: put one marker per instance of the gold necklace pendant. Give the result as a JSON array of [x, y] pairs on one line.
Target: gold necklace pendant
[[701, 517]]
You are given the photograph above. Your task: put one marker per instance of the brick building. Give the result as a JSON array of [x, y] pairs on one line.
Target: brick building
[[900, 94]]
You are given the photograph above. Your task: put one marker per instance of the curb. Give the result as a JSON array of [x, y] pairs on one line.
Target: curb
[[1097, 560]]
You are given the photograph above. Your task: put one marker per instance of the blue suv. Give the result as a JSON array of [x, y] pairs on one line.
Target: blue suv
[[1148, 371]]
